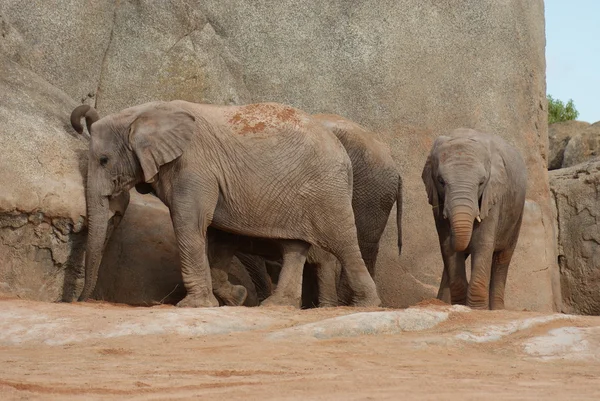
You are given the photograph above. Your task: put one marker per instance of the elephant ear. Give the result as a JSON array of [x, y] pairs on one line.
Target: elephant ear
[[429, 179], [497, 181], [159, 136]]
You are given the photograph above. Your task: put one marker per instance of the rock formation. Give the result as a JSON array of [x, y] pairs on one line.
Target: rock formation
[[576, 191], [559, 135], [583, 146], [407, 70]]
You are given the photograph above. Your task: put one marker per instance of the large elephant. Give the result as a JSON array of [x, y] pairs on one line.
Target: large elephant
[[377, 185], [476, 185], [261, 170]]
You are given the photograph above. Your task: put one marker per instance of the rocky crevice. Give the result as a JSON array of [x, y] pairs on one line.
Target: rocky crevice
[[576, 191], [104, 64], [52, 246]]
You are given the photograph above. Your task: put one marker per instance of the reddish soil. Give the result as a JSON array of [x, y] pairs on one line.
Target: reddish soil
[[247, 365]]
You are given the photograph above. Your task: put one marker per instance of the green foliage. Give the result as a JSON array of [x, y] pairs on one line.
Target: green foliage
[[558, 111]]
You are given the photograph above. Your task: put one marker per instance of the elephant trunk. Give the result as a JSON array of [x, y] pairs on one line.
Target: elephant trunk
[[462, 227], [90, 114], [463, 208], [98, 214]]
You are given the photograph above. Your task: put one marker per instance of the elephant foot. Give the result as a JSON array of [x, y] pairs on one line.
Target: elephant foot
[[196, 301], [496, 305], [236, 296], [277, 300], [478, 305], [367, 302], [369, 299]]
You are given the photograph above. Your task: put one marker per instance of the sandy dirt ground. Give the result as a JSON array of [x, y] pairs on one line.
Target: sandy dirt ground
[[428, 352]]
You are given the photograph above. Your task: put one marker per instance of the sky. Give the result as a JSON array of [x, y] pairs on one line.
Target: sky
[[573, 54]]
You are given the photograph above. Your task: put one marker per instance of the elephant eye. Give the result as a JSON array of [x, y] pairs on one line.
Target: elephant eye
[[103, 160], [441, 181]]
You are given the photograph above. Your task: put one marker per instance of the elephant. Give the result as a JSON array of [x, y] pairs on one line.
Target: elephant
[[261, 170], [377, 185], [476, 184]]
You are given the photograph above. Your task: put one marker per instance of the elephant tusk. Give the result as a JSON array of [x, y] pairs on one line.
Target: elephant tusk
[[478, 219]]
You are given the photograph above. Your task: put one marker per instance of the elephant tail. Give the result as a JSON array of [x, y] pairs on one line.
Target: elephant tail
[[399, 213]]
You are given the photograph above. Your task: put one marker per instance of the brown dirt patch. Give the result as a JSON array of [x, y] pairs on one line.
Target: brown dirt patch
[[257, 118], [248, 365]]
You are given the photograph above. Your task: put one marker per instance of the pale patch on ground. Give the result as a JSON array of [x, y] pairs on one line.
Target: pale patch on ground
[[20, 324], [411, 319], [496, 332], [427, 352], [566, 343]]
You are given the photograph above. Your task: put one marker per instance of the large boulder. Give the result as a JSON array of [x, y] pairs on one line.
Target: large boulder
[[559, 135], [409, 70], [43, 163], [576, 191], [119, 54], [583, 146], [42, 206]]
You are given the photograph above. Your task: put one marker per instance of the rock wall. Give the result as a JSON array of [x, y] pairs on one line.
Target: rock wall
[[407, 69], [577, 194], [559, 135], [42, 207], [583, 146]]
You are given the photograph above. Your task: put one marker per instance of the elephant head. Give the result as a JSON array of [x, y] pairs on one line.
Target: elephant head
[[125, 149], [464, 177]]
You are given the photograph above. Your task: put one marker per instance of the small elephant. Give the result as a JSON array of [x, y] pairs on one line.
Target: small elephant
[[261, 170], [476, 184]]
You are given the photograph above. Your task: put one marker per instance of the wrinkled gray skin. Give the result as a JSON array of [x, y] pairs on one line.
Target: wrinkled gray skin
[[262, 170], [377, 185], [476, 184]]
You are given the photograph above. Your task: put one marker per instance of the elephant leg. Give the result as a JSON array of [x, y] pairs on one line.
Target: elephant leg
[[324, 272], [344, 292], [481, 266], [289, 288], [274, 270], [499, 273], [444, 290], [369, 252], [190, 230], [500, 270], [257, 270], [231, 295], [454, 284], [327, 277], [364, 291]]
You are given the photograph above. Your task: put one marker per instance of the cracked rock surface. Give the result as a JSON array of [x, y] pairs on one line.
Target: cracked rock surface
[[577, 194]]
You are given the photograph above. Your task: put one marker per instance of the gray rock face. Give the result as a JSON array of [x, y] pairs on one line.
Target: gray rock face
[[42, 207], [576, 190], [559, 135], [583, 146], [43, 162], [409, 70]]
